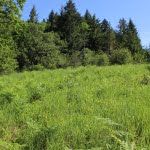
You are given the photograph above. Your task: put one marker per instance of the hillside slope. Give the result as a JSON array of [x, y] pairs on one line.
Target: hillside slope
[[96, 108]]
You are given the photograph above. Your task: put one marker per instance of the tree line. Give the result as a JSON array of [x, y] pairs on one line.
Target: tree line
[[64, 39]]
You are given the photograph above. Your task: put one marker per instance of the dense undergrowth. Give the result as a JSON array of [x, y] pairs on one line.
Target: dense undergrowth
[[97, 108]]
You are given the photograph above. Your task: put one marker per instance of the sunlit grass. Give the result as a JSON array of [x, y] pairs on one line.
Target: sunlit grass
[[95, 108]]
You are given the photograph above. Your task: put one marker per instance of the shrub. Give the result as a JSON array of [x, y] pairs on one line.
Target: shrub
[[87, 57], [38, 67], [148, 56], [62, 61], [139, 58], [121, 56], [75, 59], [101, 59]]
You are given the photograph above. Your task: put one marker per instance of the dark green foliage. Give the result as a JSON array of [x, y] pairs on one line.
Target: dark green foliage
[[133, 40], [147, 54], [38, 48], [121, 56], [94, 34], [127, 36], [64, 39], [121, 34], [69, 25], [33, 15], [108, 37], [105, 26], [52, 22]]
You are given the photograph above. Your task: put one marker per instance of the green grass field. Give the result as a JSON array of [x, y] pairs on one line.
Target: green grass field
[[94, 108]]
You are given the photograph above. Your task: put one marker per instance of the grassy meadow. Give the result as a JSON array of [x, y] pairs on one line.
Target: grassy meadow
[[86, 108]]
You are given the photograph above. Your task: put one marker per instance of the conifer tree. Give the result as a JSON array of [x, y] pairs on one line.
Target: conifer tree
[[94, 36], [69, 24], [105, 26], [133, 40], [33, 15], [108, 37], [121, 34], [52, 22], [88, 17]]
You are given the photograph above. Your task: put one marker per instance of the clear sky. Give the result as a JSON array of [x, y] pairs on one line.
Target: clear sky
[[112, 10]]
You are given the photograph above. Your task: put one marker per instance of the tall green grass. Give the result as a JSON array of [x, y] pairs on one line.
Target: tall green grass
[[96, 108]]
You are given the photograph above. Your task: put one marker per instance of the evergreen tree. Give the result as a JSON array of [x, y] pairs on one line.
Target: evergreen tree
[[88, 17], [33, 15], [69, 25], [52, 22], [112, 43], [133, 40], [84, 33], [105, 26], [94, 36], [122, 26], [121, 34], [108, 37]]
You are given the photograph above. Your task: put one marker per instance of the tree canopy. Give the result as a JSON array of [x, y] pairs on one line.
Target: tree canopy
[[64, 38]]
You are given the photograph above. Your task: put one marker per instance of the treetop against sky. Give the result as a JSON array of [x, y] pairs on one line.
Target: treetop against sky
[[111, 10]]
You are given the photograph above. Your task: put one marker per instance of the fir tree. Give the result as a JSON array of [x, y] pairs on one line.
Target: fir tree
[[133, 40], [52, 22], [108, 37], [88, 17], [69, 24], [33, 15], [105, 26], [121, 34], [94, 36]]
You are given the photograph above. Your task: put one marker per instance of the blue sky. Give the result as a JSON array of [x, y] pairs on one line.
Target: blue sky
[[112, 10]]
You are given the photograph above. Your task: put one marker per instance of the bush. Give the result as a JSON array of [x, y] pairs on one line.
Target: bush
[[36, 68], [87, 57], [121, 56], [62, 61], [148, 56], [75, 59], [139, 58], [101, 59]]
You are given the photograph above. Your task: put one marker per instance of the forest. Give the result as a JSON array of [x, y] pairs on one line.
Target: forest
[[63, 39]]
